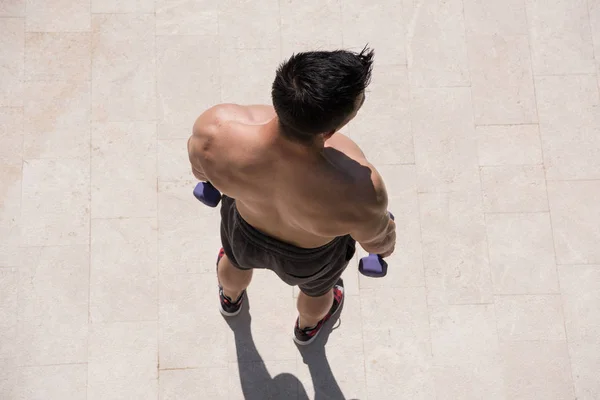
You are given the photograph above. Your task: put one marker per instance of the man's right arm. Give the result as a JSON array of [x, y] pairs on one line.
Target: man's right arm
[[375, 230]]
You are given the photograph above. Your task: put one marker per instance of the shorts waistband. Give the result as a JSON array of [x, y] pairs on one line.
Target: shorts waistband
[[282, 249]]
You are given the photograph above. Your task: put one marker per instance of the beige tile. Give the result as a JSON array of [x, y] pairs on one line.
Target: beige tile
[[56, 202], [569, 126], [396, 364], [173, 161], [53, 305], [123, 67], [594, 10], [580, 286], [123, 361], [470, 329], [481, 379], [397, 343], [123, 6], [11, 136], [187, 82], [57, 120], [8, 379], [363, 21], [191, 332], [253, 25], [382, 128], [509, 145], [455, 251], [253, 86], [522, 253], [521, 318], [124, 270], [436, 46], [52, 382], [559, 32], [310, 25], [12, 54], [188, 384], [272, 308], [257, 380], [465, 350], [445, 140], [585, 358], [575, 220], [12, 8], [188, 234], [187, 17], [487, 18], [580, 294], [405, 266], [124, 169], [519, 188], [501, 79], [124, 341], [10, 213], [9, 285], [63, 56], [537, 370], [58, 16]]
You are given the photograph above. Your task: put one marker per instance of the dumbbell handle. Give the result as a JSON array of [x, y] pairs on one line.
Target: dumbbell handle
[[373, 265]]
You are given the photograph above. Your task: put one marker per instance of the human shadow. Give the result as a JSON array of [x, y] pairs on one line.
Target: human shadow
[[257, 383], [315, 357]]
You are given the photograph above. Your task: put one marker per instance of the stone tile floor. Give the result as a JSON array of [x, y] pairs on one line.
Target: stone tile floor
[[483, 116]]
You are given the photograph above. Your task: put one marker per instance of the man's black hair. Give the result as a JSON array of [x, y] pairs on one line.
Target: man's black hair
[[315, 92]]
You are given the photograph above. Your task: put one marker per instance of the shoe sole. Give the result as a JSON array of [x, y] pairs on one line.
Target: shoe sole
[[229, 314], [312, 339]]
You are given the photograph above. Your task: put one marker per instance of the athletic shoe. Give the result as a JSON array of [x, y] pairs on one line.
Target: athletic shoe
[[228, 307], [306, 336]]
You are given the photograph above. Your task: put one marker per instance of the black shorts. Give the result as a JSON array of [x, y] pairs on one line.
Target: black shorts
[[315, 271]]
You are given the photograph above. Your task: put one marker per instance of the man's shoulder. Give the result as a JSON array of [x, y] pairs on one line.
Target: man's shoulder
[[212, 119], [365, 181]]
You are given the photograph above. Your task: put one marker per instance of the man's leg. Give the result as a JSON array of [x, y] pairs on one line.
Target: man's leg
[[313, 309], [232, 279]]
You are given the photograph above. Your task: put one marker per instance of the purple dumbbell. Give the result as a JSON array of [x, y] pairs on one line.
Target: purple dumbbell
[[207, 194], [373, 265]]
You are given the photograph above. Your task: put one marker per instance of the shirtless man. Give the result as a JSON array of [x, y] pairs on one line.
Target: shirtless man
[[297, 195]]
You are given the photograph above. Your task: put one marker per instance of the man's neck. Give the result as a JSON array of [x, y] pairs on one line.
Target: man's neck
[[316, 146]]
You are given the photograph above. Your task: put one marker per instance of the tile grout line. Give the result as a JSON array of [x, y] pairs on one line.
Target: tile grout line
[[483, 212], [220, 80], [549, 210], [20, 261], [419, 209], [87, 376], [157, 171], [360, 298]]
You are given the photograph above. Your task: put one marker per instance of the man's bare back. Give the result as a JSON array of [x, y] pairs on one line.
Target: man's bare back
[[297, 194]]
